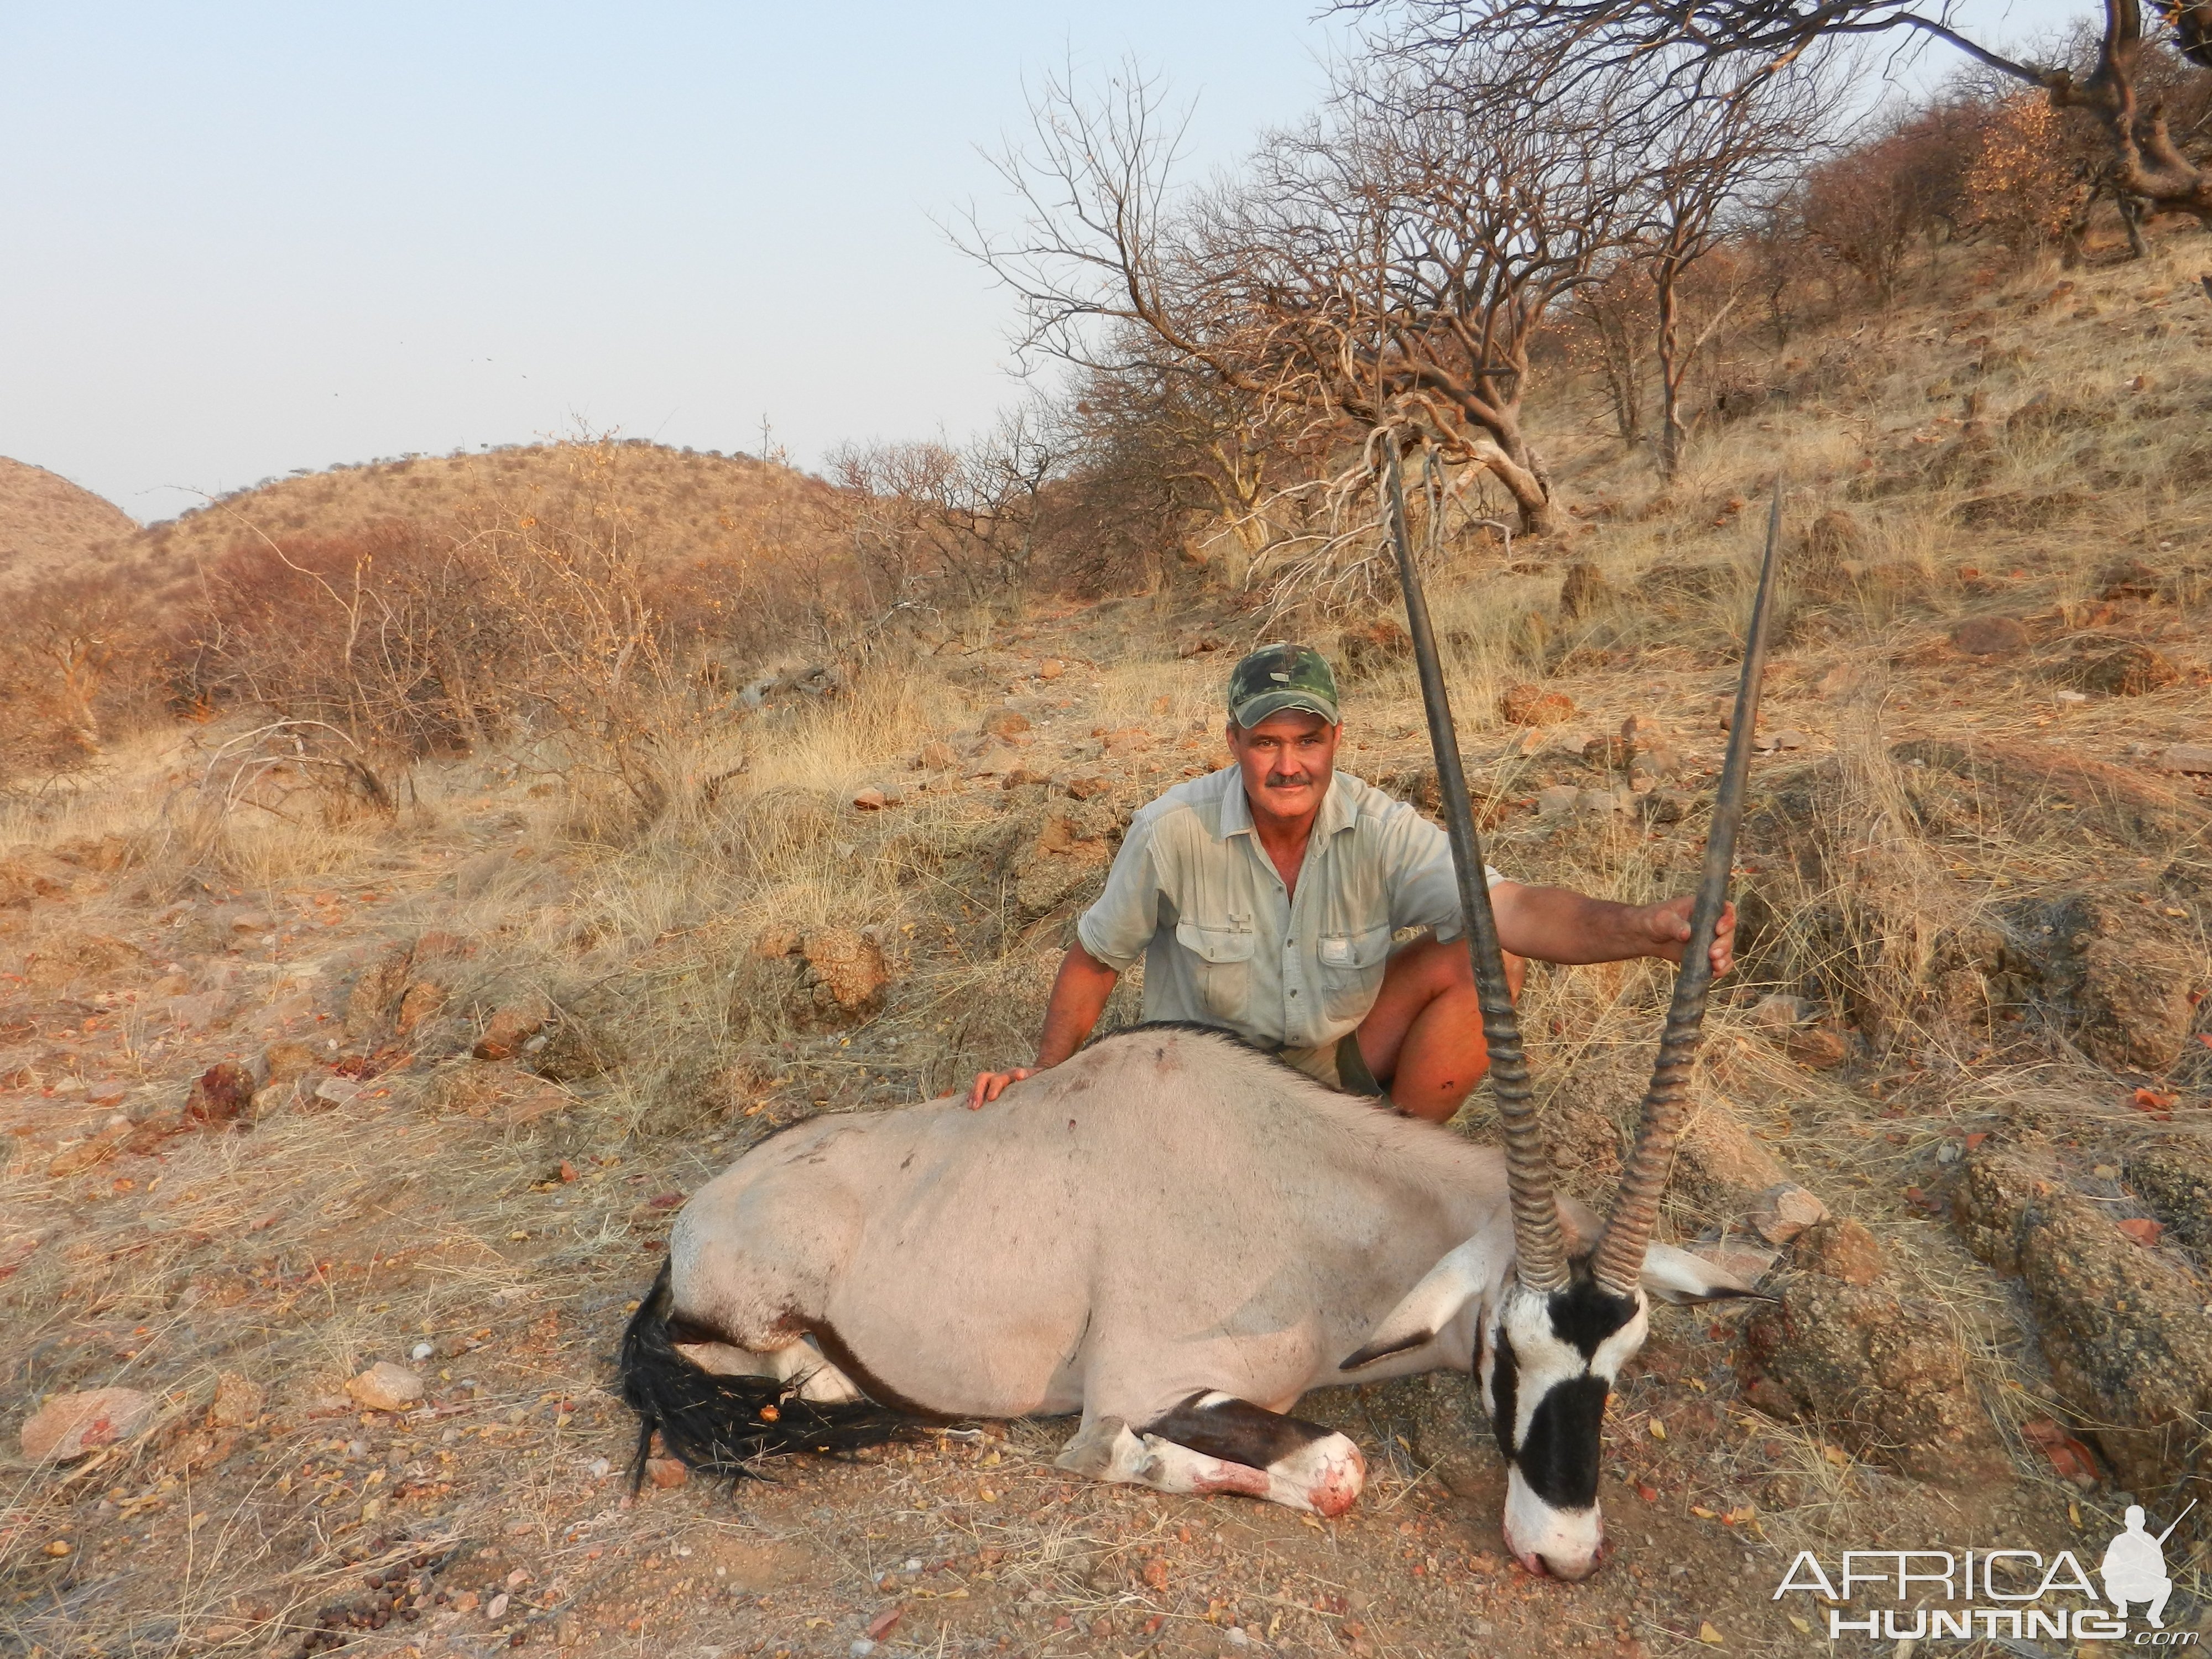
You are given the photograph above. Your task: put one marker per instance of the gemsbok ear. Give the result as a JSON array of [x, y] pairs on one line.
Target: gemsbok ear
[[1427, 1308], [1678, 1277]]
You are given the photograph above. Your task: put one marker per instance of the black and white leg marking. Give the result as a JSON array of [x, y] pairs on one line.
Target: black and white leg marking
[[1215, 1442]]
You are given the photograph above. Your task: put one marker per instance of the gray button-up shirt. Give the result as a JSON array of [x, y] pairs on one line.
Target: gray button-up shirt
[[1193, 893]]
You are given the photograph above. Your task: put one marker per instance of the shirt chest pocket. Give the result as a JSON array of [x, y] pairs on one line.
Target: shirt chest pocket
[[1352, 967], [1222, 966]]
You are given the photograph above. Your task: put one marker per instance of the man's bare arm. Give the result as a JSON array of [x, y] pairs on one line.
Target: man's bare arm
[[1078, 997], [1555, 924]]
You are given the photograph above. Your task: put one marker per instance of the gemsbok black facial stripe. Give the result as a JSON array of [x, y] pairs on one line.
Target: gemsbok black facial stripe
[[1236, 1431], [1558, 1460], [1504, 1385]]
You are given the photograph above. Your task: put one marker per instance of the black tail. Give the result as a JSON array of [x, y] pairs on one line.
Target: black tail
[[724, 1424]]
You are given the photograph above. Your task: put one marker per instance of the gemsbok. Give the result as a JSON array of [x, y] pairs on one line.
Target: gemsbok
[[1176, 1236]]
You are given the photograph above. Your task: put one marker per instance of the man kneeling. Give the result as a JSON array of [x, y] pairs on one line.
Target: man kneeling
[[1267, 898]]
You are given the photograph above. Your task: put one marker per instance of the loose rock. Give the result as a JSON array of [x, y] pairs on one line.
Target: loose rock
[[1529, 704], [1819, 1047], [220, 1094], [1557, 801], [1784, 1211], [385, 1386], [2130, 671], [512, 1026], [845, 975], [70, 1425], [2194, 758], [1992, 636], [1005, 723]]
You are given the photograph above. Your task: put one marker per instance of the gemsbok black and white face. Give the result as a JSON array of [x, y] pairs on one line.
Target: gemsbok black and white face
[[1545, 1369], [1545, 1364]]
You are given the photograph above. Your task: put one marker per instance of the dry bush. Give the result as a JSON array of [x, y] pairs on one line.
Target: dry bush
[[79, 667]]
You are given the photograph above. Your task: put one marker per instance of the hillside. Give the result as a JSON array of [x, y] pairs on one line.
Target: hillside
[[297, 1085], [672, 504], [48, 525]]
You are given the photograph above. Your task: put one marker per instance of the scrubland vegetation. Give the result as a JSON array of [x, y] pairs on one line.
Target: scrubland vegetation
[[417, 876]]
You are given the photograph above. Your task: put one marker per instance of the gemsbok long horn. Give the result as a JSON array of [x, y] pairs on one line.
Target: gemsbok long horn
[[1619, 1260], [1539, 1252]]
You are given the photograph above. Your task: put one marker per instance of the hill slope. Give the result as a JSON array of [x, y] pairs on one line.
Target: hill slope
[[48, 524]]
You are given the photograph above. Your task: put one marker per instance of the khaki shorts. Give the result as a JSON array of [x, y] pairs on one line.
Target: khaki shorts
[[1340, 1065]]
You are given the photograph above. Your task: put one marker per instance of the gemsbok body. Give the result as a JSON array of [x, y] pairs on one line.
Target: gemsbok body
[[1174, 1237]]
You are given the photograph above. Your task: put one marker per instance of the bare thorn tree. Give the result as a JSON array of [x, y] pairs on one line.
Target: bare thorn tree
[[1702, 52], [1387, 264]]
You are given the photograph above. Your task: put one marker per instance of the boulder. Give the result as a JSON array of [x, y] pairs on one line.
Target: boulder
[[2115, 978], [1841, 1248], [385, 1386], [2193, 758], [420, 1002], [68, 1426], [514, 1024], [1530, 704], [1065, 858], [1821, 1047], [220, 1094], [2122, 1326], [2130, 671], [1884, 1379], [844, 976]]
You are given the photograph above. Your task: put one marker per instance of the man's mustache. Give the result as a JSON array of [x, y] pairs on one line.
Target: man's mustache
[[1288, 780]]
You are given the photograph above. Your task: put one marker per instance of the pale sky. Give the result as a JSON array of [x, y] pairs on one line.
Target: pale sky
[[244, 239]]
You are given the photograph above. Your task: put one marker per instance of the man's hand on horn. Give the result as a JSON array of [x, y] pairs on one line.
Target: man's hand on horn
[[1669, 927]]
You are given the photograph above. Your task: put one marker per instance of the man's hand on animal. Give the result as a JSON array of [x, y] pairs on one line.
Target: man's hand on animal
[[1270, 899]]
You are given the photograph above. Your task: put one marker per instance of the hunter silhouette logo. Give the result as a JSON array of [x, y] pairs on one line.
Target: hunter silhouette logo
[[1996, 1595], [2134, 1567]]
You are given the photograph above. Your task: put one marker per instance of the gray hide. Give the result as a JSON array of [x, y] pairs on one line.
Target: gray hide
[[1166, 1213]]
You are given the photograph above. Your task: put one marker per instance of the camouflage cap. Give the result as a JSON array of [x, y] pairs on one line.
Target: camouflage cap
[[1279, 677]]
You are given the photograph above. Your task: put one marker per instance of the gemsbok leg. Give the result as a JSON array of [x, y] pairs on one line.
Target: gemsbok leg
[[1215, 1442]]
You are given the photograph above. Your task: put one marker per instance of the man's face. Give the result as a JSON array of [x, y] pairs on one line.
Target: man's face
[[1287, 760]]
